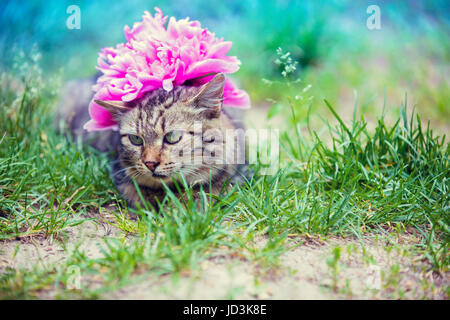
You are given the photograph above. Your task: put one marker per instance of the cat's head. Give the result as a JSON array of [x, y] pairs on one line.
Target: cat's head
[[160, 133]]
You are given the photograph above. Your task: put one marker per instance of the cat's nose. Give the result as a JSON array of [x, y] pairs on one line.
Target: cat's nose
[[151, 165]]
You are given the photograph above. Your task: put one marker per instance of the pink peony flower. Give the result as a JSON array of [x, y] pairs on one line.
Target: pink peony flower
[[158, 57]]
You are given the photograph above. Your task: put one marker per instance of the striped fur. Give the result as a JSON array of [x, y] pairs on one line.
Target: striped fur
[[155, 115]]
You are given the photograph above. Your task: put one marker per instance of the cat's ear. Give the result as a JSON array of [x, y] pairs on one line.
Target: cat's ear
[[210, 97], [116, 108]]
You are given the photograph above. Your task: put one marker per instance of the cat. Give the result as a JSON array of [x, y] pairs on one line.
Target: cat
[[164, 134]]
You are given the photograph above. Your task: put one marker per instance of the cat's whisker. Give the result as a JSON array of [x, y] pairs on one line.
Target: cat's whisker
[[225, 168], [125, 169]]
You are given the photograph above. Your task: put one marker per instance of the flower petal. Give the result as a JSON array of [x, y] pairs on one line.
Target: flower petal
[[155, 56]]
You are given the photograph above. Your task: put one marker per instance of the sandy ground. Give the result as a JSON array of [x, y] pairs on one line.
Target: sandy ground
[[303, 272]]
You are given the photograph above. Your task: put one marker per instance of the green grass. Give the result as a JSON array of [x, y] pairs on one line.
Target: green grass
[[47, 183], [354, 183]]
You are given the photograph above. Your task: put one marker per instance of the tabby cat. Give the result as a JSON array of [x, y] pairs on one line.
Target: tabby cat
[[164, 133]]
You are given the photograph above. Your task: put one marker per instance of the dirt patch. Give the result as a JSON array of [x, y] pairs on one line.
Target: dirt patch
[[40, 252], [366, 269], [303, 273]]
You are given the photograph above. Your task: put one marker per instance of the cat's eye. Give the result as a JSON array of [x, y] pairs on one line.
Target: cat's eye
[[173, 136], [136, 140]]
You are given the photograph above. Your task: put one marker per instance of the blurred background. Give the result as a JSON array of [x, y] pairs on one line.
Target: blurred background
[[333, 53]]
